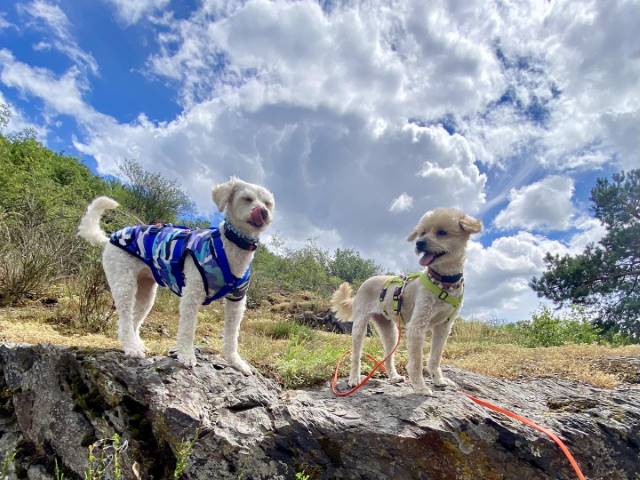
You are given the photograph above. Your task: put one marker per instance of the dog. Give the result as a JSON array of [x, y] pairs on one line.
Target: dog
[[440, 238], [200, 265]]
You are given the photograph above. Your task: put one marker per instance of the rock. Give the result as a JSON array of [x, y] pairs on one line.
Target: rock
[[326, 321], [58, 401], [38, 472]]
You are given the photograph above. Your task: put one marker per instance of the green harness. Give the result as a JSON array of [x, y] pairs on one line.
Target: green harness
[[400, 283]]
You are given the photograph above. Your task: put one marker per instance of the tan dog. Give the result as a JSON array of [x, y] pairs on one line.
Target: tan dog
[[440, 237]]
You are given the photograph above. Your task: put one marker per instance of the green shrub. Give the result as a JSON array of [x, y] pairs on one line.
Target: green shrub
[[291, 271], [104, 459], [309, 268], [349, 266], [87, 303], [547, 330], [183, 452], [34, 251], [7, 466], [151, 196], [59, 184]]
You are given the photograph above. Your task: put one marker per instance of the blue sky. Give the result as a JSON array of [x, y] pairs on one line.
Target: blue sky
[[360, 116]]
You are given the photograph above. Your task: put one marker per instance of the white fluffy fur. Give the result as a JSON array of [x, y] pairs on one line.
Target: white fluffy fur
[[89, 227], [421, 309], [134, 288]]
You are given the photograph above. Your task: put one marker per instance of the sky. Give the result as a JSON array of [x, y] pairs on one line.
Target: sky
[[360, 116]]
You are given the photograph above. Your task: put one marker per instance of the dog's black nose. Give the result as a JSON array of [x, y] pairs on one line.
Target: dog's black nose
[[265, 213], [421, 245]]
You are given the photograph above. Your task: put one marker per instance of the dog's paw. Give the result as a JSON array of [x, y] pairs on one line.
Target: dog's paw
[[134, 352], [422, 390], [187, 359], [239, 364], [353, 381], [397, 378], [444, 382]]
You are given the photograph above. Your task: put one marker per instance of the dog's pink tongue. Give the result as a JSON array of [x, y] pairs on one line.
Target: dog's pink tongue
[[256, 217], [426, 259]]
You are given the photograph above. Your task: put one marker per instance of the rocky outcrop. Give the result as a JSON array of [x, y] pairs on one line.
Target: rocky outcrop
[[326, 321], [55, 402]]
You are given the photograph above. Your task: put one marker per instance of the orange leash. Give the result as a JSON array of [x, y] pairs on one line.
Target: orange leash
[[379, 365], [535, 426]]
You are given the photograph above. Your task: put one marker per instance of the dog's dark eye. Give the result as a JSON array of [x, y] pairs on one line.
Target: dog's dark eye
[[268, 204], [422, 233], [247, 199], [441, 233]]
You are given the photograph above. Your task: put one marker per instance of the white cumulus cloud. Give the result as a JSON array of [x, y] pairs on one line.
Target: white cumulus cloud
[[63, 94], [544, 205], [131, 11], [402, 203], [340, 106], [53, 18]]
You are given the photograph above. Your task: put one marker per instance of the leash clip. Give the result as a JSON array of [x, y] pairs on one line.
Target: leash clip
[[443, 295]]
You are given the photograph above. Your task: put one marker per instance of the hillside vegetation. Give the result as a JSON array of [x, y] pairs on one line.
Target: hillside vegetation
[[52, 288]]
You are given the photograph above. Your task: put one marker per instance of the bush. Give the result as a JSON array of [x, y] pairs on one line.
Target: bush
[[305, 269], [547, 330], [150, 196], [349, 266], [60, 185], [88, 304], [34, 252]]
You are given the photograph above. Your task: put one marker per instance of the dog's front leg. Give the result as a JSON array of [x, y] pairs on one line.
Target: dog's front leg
[[416, 332], [233, 313], [440, 333], [193, 294]]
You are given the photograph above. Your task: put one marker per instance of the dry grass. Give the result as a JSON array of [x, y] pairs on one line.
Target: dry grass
[[297, 356], [576, 362]]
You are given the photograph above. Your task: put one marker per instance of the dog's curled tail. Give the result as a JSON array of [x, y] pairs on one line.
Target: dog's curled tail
[[89, 227], [342, 302]]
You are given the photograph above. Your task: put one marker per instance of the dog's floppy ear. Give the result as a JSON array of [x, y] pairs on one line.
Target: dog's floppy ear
[[413, 235], [470, 224], [222, 192]]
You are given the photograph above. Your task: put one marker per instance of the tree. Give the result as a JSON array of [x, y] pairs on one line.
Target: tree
[[152, 197], [31, 172], [348, 265], [606, 276], [5, 116]]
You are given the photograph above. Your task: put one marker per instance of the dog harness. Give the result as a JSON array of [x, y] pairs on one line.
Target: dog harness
[[400, 283], [163, 248]]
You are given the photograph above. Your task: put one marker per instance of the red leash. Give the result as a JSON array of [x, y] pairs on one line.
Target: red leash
[[379, 365], [535, 426]]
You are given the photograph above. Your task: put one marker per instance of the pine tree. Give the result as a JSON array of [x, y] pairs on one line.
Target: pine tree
[[606, 276]]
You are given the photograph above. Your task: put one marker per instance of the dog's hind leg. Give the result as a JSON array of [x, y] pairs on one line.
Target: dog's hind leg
[[124, 297], [233, 313], [122, 270], [358, 332], [389, 336], [438, 341], [145, 296], [193, 294]]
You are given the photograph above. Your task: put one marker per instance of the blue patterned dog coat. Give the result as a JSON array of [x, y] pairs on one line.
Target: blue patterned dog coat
[[164, 249]]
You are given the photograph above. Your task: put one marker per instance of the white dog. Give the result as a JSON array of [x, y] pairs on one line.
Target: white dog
[[428, 301], [199, 265]]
